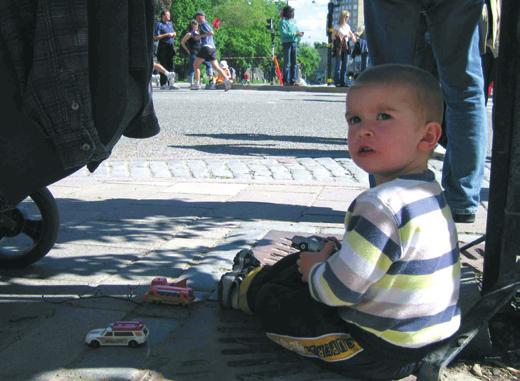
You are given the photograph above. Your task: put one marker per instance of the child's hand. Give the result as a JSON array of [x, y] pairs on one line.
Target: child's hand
[[307, 260]]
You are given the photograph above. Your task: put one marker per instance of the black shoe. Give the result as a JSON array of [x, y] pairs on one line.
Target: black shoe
[[464, 218]]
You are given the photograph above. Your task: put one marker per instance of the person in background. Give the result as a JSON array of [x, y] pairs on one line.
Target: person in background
[[361, 47], [290, 36], [373, 306], [206, 36], [207, 52], [391, 29], [342, 40], [226, 69], [489, 39], [170, 75], [165, 35], [191, 43]]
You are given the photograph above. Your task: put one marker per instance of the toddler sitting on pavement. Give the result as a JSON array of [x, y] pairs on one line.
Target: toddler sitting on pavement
[[389, 295]]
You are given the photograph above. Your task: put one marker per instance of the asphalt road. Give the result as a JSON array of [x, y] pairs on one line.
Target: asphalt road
[[245, 123], [196, 124]]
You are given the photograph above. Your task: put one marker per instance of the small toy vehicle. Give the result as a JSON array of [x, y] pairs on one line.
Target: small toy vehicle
[[161, 291], [127, 333], [311, 243]]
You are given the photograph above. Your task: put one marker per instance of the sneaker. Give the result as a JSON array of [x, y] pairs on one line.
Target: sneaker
[[174, 87], [229, 289], [170, 76], [195, 86], [165, 87], [227, 85], [244, 261]]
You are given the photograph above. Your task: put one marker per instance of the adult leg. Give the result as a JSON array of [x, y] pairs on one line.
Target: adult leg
[[337, 69], [391, 30], [460, 73], [391, 27], [294, 64], [343, 71], [191, 67], [162, 57], [196, 64], [286, 50]]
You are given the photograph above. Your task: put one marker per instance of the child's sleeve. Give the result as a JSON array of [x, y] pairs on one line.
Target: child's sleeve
[[370, 245]]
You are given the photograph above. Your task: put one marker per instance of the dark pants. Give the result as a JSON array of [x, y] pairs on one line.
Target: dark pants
[[290, 67], [286, 310], [165, 54]]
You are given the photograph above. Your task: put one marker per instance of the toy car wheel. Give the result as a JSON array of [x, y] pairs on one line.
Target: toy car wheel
[[28, 232], [303, 246], [132, 344], [94, 344]]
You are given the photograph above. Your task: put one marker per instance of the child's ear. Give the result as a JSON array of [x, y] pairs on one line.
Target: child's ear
[[432, 134]]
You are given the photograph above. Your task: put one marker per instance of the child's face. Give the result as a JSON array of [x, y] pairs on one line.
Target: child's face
[[386, 128]]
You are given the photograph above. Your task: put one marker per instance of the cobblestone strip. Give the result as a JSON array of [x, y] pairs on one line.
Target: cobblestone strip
[[323, 170]]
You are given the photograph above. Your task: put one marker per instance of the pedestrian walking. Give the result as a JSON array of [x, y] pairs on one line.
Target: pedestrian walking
[[207, 52], [165, 35]]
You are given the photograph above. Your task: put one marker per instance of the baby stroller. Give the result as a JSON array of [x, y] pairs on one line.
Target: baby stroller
[[28, 231], [66, 101]]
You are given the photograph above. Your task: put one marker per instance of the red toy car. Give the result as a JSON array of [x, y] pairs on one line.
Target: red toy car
[[161, 291]]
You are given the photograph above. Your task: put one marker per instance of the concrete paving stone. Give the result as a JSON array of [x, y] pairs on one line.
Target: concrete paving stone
[[81, 264], [138, 233], [279, 172], [212, 188], [139, 169], [336, 169], [266, 196], [198, 169], [478, 226], [301, 175], [322, 174], [119, 169], [159, 263], [220, 171], [205, 277], [328, 207], [243, 176], [238, 167], [159, 169], [322, 219], [106, 191], [179, 168], [259, 170], [292, 188], [339, 194], [56, 340]]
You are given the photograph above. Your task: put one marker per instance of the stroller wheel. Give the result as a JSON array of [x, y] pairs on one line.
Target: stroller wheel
[[29, 231]]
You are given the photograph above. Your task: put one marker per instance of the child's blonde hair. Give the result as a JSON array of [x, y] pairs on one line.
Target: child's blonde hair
[[429, 94]]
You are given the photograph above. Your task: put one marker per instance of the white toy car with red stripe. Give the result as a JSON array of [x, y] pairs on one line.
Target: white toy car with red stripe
[[126, 333]]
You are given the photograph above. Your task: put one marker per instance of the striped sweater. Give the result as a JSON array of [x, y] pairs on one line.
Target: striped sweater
[[398, 271]]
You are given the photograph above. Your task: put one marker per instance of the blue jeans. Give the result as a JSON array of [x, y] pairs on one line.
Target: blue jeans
[[340, 69], [290, 67], [391, 27]]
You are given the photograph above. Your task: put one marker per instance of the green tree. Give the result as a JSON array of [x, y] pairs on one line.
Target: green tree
[[243, 33], [309, 59]]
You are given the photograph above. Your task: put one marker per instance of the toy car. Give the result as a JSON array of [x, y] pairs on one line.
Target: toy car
[[127, 333], [311, 243], [161, 291]]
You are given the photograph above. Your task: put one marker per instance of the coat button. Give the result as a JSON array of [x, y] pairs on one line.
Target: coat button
[[74, 105], [85, 147]]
